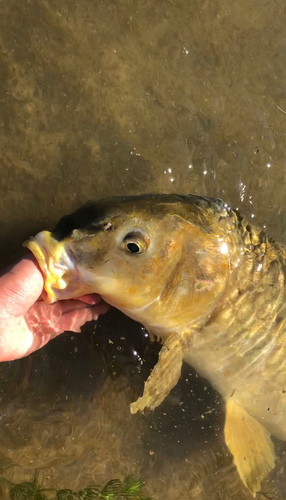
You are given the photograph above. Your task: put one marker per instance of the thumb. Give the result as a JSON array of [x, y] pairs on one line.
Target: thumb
[[20, 286]]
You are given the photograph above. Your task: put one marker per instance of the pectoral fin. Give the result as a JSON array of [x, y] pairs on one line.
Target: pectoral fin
[[153, 337], [250, 445], [164, 376]]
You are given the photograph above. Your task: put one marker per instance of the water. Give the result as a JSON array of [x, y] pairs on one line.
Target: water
[[102, 98]]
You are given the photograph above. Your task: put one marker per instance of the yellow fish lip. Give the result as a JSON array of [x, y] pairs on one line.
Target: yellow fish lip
[[52, 259]]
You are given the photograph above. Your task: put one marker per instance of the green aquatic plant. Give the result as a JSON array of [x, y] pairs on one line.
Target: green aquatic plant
[[129, 489]]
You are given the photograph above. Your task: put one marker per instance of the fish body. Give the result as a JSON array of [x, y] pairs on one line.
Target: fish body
[[207, 283]]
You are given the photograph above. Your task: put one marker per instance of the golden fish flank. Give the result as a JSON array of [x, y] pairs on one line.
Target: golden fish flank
[[203, 280]]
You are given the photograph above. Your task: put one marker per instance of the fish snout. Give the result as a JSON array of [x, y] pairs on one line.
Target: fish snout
[[57, 264]]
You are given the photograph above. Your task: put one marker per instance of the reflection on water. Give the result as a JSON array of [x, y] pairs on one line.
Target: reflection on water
[[103, 98]]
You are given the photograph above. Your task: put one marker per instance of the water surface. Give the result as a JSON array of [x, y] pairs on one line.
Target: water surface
[[100, 98]]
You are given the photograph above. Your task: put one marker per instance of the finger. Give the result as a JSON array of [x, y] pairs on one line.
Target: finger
[[66, 306], [99, 309], [48, 321], [91, 299], [20, 286], [73, 320]]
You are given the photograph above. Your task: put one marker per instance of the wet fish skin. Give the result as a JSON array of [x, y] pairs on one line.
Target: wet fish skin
[[206, 282]]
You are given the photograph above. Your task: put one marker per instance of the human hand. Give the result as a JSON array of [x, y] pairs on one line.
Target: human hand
[[27, 323]]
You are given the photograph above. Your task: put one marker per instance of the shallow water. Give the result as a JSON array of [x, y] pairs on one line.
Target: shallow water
[[100, 98]]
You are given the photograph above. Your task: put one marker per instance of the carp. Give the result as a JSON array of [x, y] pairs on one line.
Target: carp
[[203, 280]]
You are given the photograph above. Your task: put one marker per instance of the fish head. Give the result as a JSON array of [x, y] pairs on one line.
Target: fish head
[[161, 259]]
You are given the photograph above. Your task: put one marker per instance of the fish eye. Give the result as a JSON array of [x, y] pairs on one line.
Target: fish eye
[[133, 247], [136, 242]]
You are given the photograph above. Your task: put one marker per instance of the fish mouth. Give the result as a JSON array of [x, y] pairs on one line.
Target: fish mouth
[[57, 263]]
